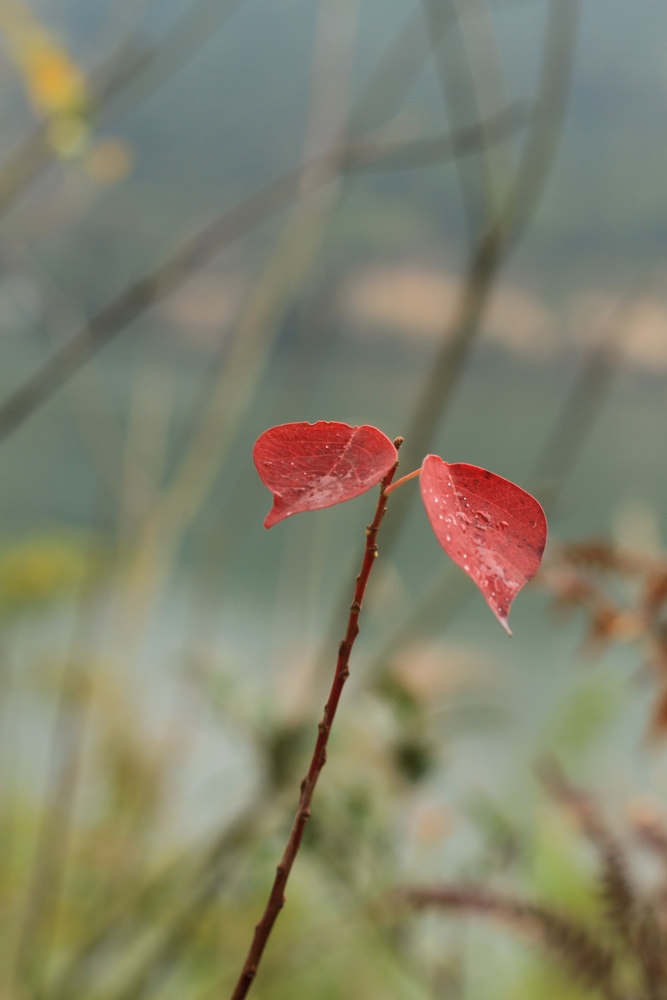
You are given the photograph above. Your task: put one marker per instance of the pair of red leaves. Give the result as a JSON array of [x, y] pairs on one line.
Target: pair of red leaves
[[492, 529]]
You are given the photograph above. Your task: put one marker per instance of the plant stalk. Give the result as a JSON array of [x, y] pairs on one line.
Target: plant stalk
[[276, 898], [403, 479]]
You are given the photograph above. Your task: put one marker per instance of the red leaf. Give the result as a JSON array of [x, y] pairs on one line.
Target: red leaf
[[492, 529], [309, 466]]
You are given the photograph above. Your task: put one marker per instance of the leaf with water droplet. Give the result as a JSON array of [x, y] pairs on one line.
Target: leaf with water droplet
[[310, 466], [495, 531]]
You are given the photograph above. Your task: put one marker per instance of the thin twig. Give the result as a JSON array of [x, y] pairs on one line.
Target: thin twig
[[276, 898]]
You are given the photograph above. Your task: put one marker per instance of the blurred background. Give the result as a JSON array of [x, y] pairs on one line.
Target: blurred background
[[445, 218]]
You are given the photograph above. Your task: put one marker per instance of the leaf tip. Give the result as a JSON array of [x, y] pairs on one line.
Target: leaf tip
[[274, 516], [505, 624]]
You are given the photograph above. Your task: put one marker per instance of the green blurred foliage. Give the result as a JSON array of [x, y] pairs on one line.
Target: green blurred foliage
[[44, 569]]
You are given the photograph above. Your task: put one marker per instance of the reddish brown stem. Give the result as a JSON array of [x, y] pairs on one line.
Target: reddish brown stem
[[276, 898], [403, 479]]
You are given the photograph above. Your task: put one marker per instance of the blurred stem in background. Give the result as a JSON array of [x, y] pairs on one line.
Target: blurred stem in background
[[494, 239], [52, 848], [230, 226], [498, 235], [235, 382], [131, 74], [459, 87], [206, 870]]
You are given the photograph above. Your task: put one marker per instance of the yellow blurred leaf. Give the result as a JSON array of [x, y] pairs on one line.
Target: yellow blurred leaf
[[54, 84]]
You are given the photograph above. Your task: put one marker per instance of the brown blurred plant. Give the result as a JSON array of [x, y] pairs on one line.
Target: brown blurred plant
[[618, 951], [622, 594]]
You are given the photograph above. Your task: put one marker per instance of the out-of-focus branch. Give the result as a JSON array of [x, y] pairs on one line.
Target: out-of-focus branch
[[583, 403], [102, 438], [459, 93], [127, 65], [260, 322], [249, 352], [495, 245], [131, 75], [55, 829], [485, 262], [52, 848], [208, 243], [408, 154], [236, 376], [167, 56], [395, 71]]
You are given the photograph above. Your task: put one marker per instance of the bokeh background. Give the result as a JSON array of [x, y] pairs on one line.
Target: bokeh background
[[446, 218]]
